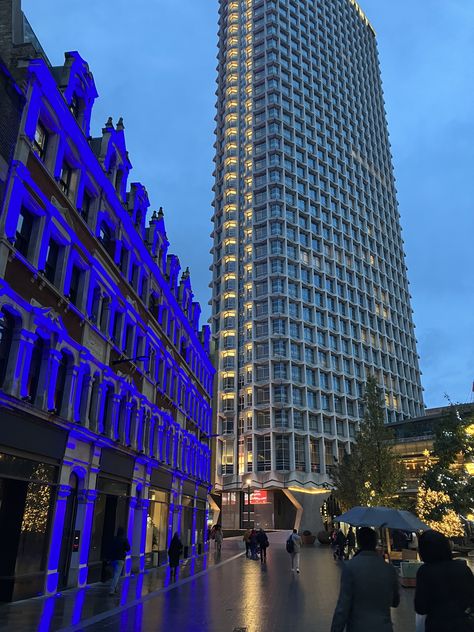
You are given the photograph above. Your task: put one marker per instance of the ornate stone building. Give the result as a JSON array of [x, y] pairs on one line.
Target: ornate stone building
[[105, 375]]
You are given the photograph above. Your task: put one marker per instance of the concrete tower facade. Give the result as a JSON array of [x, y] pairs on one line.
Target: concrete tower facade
[[310, 290]]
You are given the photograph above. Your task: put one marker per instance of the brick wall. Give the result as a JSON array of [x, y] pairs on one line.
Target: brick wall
[[11, 104]]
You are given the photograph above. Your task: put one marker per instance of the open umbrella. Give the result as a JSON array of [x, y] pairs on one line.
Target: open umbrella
[[382, 517]]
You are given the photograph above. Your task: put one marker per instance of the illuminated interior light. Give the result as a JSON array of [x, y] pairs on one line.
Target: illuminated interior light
[[313, 490]]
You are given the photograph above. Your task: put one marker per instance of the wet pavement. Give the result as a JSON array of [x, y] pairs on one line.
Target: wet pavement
[[230, 594]]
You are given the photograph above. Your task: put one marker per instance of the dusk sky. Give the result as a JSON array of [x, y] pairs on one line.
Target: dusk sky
[[155, 66]]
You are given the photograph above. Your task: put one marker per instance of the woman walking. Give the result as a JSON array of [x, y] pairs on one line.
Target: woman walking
[[444, 587], [174, 553]]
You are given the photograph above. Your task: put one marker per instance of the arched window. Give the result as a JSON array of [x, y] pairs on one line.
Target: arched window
[[61, 397], [92, 413], [108, 409], [84, 395], [7, 326], [130, 439], [35, 368], [122, 419]]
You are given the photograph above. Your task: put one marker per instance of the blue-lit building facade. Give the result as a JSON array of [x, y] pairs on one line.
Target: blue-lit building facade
[[310, 288], [105, 375]]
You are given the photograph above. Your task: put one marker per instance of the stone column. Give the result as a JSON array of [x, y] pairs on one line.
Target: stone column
[[52, 574], [112, 421], [50, 382], [16, 380], [85, 514], [139, 535], [130, 528], [71, 393], [83, 401]]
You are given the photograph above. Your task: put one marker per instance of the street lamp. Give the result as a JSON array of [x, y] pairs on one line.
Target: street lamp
[[249, 490]]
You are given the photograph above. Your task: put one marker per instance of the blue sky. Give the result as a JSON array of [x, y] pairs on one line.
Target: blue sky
[[155, 66]]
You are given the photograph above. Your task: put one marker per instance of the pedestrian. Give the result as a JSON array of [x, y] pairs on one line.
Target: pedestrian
[[174, 553], [253, 545], [340, 544], [333, 542], [263, 543], [369, 587], [118, 551], [444, 587], [293, 546], [218, 537], [351, 542], [246, 539]]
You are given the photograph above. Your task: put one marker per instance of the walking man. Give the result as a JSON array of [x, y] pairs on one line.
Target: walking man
[[118, 551], [369, 588], [351, 542], [293, 546], [219, 536], [262, 541]]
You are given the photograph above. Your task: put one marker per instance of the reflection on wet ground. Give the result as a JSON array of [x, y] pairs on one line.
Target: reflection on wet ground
[[212, 594]]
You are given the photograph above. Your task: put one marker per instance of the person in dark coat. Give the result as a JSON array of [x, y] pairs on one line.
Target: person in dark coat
[[262, 541], [369, 588], [253, 545], [351, 542], [174, 553], [340, 544], [444, 587], [118, 551]]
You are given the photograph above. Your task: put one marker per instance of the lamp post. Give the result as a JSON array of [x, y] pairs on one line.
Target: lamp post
[[249, 490]]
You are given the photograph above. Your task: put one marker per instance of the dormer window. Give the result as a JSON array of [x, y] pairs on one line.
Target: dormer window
[[118, 180], [76, 107], [40, 141]]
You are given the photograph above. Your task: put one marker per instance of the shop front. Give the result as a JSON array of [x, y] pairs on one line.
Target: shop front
[[201, 519], [28, 491], [110, 510], [157, 526]]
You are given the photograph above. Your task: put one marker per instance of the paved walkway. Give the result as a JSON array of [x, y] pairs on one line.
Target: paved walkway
[[232, 594]]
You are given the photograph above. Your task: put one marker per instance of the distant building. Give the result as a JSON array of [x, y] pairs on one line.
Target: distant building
[[310, 289], [105, 375], [414, 437]]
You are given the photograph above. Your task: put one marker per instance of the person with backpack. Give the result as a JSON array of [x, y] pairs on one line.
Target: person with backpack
[[263, 543], [293, 546]]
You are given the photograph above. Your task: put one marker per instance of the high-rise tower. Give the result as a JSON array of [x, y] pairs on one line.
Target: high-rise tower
[[310, 292]]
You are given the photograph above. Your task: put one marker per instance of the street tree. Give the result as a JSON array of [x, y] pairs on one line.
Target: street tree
[[371, 474], [446, 487]]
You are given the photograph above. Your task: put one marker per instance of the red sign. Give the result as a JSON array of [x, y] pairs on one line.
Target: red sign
[[259, 497]]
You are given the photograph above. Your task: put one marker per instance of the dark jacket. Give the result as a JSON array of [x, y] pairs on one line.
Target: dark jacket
[[369, 587], [119, 548], [262, 539], [174, 552], [340, 539], [444, 590], [351, 539]]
